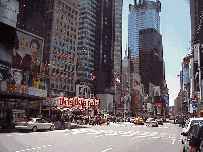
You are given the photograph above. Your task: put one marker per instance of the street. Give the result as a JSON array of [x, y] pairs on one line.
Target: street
[[124, 137]]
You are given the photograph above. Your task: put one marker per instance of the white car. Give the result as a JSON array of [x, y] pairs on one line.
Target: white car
[[132, 119], [151, 122], [35, 124]]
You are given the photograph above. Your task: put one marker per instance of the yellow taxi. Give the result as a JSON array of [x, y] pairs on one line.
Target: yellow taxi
[[139, 121]]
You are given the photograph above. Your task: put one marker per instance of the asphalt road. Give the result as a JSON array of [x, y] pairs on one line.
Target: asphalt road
[[124, 137]]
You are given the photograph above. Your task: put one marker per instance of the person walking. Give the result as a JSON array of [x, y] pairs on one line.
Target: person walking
[[62, 122]]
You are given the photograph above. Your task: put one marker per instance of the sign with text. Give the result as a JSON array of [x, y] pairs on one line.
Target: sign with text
[[9, 11], [72, 101]]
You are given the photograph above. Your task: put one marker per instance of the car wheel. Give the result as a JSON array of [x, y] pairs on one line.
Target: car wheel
[[51, 128], [34, 129]]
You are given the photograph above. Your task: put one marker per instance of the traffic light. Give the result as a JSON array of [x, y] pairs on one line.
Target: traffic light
[[196, 98]]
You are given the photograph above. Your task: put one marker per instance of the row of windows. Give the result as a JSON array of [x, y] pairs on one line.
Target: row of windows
[[66, 46], [65, 18], [59, 86], [65, 6], [63, 68], [62, 72]]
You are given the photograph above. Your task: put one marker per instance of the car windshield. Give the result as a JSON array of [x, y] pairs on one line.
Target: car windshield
[[196, 121]]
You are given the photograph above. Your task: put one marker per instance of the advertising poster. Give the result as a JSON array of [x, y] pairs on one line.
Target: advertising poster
[[29, 53], [9, 11]]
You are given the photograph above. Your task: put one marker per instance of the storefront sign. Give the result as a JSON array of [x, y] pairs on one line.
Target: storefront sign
[[72, 101]]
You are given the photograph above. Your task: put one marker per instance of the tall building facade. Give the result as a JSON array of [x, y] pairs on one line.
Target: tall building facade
[[86, 42], [151, 57], [61, 39], [118, 39], [196, 12], [143, 14], [104, 46]]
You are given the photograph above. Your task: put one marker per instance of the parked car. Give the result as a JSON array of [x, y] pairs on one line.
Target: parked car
[[132, 119], [190, 122], [151, 122], [194, 140], [35, 124], [139, 121], [159, 121]]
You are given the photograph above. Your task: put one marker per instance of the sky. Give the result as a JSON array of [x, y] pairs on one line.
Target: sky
[[175, 28]]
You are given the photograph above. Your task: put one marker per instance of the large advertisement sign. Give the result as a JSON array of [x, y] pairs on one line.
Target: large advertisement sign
[[72, 101], [9, 11], [186, 77], [28, 55], [23, 76]]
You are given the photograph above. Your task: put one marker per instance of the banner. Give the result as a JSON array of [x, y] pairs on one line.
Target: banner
[[156, 90], [72, 101]]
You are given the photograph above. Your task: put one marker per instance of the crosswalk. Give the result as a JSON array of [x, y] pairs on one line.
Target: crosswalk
[[129, 133]]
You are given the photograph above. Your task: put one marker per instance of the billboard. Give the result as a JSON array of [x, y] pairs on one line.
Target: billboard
[[22, 76], [28, 55], [156, 90], [9, 11], [186, 77]]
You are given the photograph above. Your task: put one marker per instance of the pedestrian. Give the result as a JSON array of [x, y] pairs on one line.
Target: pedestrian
[[62, 122]]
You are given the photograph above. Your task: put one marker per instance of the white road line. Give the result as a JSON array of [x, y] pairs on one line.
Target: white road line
[[28, 149], [156, 137], [133, 138], [22, 150], [173, 141], [8, 135], [39, 147], [33, 148], [49, 145], [127, 135], [106, 150], [96, 136], [141, 136], [67, 134], [20, 134]]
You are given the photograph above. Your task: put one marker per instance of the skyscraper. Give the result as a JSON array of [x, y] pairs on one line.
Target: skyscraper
[[104, 46], [118, 38], [86, 42], [143, 14], [61, 36]]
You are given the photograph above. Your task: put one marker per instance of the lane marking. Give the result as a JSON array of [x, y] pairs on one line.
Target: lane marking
[[173, 141], [141, 136], [8, 135], [155, 137], [106, 150], [133, 138]]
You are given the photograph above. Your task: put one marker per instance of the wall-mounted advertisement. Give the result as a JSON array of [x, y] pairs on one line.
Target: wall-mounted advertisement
[[9, 11], [28, 55], [186, 77], [156, 90]]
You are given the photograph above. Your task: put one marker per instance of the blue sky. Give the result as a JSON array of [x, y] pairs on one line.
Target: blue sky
[[175, 28]]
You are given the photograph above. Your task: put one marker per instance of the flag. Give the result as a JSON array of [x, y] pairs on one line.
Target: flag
[[117, 80]]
